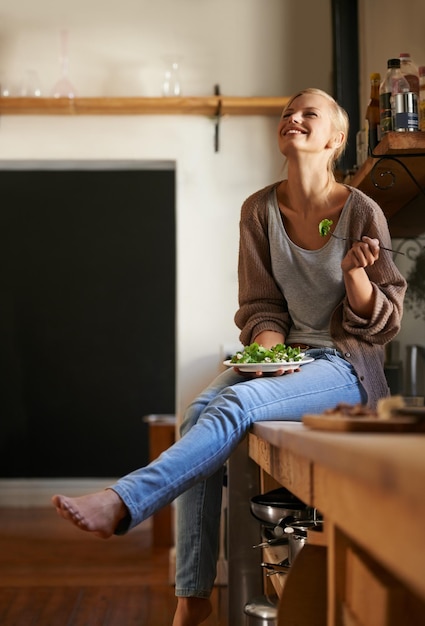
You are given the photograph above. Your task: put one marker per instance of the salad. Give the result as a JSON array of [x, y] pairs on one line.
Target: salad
[[258, 354], [325, 227]]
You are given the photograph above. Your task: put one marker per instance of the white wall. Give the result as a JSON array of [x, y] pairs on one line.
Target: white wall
[[249, 47]]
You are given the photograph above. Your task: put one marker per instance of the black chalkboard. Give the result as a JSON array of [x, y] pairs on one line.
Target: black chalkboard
[[87, 317]]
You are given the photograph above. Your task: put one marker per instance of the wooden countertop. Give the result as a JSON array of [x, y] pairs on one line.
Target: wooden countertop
[[369, 485], [391, 462]]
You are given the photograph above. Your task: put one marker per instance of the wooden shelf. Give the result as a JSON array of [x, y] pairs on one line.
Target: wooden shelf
[[209, 105], [398, 195]]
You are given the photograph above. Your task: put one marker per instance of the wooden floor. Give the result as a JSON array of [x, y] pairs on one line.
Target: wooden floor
[[52, 574]]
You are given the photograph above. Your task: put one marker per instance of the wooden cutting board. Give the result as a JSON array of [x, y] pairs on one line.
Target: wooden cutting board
[[342, 423]]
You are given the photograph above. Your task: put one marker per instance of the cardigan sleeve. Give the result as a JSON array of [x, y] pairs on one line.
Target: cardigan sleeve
[[388, 283], [261, 303]]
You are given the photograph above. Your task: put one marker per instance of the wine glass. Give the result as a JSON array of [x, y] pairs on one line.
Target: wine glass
[[30, 85], [5, 88], [171, 83], [64, 88]]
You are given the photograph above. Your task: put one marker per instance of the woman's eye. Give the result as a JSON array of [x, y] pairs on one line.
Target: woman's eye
[[306, 114]]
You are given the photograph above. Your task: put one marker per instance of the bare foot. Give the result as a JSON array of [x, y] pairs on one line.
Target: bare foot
[[191, 611], [98, 513]]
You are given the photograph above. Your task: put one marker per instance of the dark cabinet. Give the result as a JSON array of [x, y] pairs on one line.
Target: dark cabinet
[[87, 316]]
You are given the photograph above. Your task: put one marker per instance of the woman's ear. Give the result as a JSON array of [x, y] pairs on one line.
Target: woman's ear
[[336, 141]]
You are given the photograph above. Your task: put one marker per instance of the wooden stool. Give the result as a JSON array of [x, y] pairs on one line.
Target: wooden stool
[[162, 435]]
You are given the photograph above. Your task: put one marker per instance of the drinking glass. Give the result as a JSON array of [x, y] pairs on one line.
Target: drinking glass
[[30, 86], [64, 88], [171, 83], [6, 89]]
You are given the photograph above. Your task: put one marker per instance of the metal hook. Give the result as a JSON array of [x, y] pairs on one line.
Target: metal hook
[[218, 115]]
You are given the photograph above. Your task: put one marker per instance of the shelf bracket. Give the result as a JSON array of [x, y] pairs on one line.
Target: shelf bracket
[[217, 119], [390, 173]]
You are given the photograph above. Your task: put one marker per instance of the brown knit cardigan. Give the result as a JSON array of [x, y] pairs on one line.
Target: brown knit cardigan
[[262, 305]]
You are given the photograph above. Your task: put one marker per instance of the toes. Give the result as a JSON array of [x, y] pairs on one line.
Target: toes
[[66, 510], [75, 516]]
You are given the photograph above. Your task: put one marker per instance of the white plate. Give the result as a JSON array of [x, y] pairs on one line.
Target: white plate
[[268, 367]]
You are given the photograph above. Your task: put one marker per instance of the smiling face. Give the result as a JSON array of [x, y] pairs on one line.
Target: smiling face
[[313, 122]]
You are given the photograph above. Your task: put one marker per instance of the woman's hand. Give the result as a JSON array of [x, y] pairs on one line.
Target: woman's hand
[[280, 372], [269, 338], [361, 254], [357, 284]]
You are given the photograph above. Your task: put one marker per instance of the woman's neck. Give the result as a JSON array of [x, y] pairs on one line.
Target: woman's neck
[[307, 188]]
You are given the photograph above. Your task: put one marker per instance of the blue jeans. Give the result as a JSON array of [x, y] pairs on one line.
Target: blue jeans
[[213, 426]]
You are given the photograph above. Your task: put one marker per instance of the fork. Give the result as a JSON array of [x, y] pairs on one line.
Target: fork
[[353, 239]]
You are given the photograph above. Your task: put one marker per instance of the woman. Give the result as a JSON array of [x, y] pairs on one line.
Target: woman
[[341, 301]]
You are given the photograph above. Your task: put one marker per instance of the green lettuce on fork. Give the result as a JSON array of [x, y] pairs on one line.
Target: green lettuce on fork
[[325, 227]]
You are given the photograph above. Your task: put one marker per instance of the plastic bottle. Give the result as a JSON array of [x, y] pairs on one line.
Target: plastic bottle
[[373, 113], [394, 83], [410, 71], [422, 97]]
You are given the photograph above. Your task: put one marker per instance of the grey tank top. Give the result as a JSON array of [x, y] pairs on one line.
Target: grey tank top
[[310, 280]]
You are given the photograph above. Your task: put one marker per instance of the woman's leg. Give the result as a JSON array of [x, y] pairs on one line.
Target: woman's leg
[[197, 540], [197, 545], [104, 513], [198, 518], [215, 428], [198, 513], [224, 422]]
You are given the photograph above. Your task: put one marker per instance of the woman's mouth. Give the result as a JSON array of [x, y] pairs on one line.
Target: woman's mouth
[[294, 131]]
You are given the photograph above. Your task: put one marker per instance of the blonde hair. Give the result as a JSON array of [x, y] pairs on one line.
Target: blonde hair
[[339, 118]]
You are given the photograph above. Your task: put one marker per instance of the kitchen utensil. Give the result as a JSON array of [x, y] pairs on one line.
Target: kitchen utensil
[[261, 611], [415, 367], [297, 536], [354, 239], [267, 367], [277, 568], [273, 507], [273, 541]]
